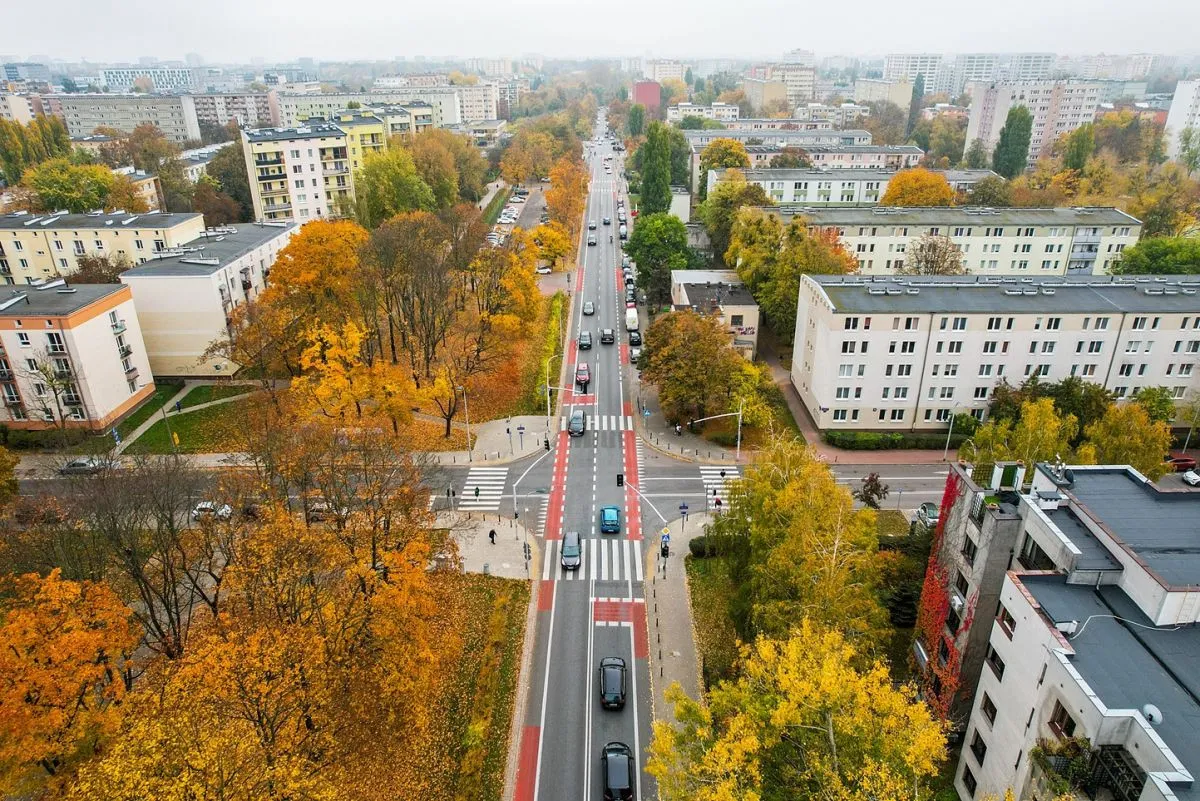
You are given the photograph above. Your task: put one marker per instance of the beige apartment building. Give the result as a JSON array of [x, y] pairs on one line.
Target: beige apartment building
[[721, 112], [840, 116], [20, 108], [845, 186], [870, 90], [826, 157], [300, 173], [247, 109], [908, 354], [761, 92], [83, 113], [451, 105], [1015, 241], [1057, 107], [183, 299], [70, 356], [35, 248]]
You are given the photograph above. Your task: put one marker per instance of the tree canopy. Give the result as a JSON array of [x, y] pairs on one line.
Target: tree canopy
[[388, 184], [655, 158], [1012, 149], [721, 153], [688, 358], [918, 187], [658, 245]]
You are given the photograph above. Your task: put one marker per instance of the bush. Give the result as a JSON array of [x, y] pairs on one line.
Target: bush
[[726, 439], [701, 548], [19, 439], [889, 440]]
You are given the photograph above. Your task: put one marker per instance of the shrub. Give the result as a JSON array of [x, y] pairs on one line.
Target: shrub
[[889, 440], [701, 548]]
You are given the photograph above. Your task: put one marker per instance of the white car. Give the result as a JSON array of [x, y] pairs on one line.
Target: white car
[[544, 271], [1192, 478], [516, 199], [211, 509]]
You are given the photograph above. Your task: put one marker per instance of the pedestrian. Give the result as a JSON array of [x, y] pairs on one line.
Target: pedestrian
[[678, 430], [492, 536]]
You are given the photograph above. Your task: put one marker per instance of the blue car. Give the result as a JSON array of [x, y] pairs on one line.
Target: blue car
[[610, 520]]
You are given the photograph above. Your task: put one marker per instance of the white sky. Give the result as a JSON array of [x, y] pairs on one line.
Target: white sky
[[283, 30]]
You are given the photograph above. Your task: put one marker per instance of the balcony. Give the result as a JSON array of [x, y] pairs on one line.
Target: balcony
[[10, 400], [266, 192], [247, 285], [269, 161], [131, 374], [1082, 238], [72, 400], [125, 350], [64, 374], [118, 327], [335, 171]]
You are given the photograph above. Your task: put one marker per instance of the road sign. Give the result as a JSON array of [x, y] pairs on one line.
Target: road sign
[[683, 507], [666, 532], [645, 413], [521, 429], [666, 538]]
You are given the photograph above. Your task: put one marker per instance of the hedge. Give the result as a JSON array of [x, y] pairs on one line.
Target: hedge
[[889, 440]]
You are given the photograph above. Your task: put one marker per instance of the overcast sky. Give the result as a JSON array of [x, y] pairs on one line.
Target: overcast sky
[[278, 30]]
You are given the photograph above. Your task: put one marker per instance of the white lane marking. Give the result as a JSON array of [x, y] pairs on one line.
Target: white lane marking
[[595, 559], [550, 549], [537, 776], [603, 560], [637, 564]]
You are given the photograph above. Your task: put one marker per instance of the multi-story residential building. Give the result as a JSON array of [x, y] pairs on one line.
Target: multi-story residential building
[[70, 356], [183, 298], [484, 132], [1058, 107], [195, 161], [368, 130], [1026, 67], [907, 66], [799, 80], [479, 102], [832, 157], [766, 132], [427, 79], [508, 94], [840, 116], [1184, 113], [1080, 625], [721, 112], [27, 71], [720, 293], [489, 66], [881, 353], [23, 108], [162, 79], [148, 187], [648, 94], [299, 174], [247, 109], [869, 90], [846, 186], [763, 92], [1117, 68], [36, 248], [803, 58], [663, 69], [973, 67], [777, 124], [444, 103], [174, 115]]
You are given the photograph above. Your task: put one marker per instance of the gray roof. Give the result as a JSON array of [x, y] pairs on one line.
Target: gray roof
[[979, 294], [776, 148], [1131, 664], [16, 222], [959, 176], [707, 294], [1093, 554], [812, 174], [962, 215], [221, 246], [776, 133], [52, 299], [313, 129]]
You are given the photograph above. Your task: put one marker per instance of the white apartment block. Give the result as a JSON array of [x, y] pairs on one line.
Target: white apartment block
[[846, 186], [163, 79], [803, 58], [664, 69], [1117, 68], [70, 356], [777, 124], [761, 92], [426, 79], [870, 90], [452, 105], [1184, 113], [800, 82], [36, 248], [247, 109], [839, 116], [490, 66], [21, 108], [907, 66], [771, 132], [1025, 67], [973, 67], [1058, 107], [174, 115], [721, 112], [298, 174], [909, 354], [1014, 241], [828, 157], [183, 298]]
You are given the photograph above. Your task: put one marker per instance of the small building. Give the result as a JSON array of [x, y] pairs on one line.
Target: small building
[[184, 296], [721, 293], [484, 132], [721, 112], [681, 204]]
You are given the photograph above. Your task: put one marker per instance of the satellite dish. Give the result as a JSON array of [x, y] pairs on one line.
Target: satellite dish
[[1152, 714]]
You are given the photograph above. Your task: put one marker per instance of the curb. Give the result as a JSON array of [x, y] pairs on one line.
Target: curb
[[521, 700], [678, 456]]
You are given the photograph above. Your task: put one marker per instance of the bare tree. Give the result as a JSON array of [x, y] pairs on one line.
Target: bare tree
[[56, 397], [934, 255]]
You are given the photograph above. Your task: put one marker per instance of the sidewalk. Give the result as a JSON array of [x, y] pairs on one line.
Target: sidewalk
[[673, 655], [477, 554]]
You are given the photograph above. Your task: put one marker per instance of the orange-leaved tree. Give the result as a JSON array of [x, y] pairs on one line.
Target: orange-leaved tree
[[918, 187]]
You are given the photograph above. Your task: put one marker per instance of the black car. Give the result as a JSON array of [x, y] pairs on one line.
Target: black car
[[628, 280], [617, 766], [630, 295], [577, 425], [607, 336], [635, 337], [607, 220], [585, 340], [612, 682]]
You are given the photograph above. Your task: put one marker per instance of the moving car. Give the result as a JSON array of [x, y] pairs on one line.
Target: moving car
[[583, 375], [612, 682], [84, 466], [1191, 478], [635, 338], [591, 225], [610, 520], [585, 340], [607, 336], [577, 425], [607, 220], [591, 239], [1180, 461], [589, 308], [617, 767], [210, 509], [928, 513], [570, 551]]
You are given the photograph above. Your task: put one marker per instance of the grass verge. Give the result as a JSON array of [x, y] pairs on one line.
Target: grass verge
[[210, 430], [163, 392], [492, 212], [206, 393], [710, 590]]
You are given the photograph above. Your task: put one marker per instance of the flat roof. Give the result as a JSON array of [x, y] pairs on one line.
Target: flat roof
[[312, 130], [982, 294], [1129, 663], [735, 133], [962, 215], [776, 148], [213, 251], [1093, 555], [811, 173], [117, 221], [53, 298]]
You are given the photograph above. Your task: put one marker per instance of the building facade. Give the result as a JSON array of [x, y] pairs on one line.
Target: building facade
[[869, 90], [162, 79], [1025, 67], [766, 132], [664, 69], [298, 174], [721, 112], [845, 186], [1184, 113], [885, 354], [907, 66], [27, 71], [445, 103], [174, 115], [722, 294], [763, 92], [20, 108], [843, 115], [1058, 107], [248, 110], [648, 94], [70, 356], [799, 80], [831, 157]]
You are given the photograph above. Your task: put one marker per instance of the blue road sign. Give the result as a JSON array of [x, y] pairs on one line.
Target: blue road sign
[[683, 507], [666, 538]]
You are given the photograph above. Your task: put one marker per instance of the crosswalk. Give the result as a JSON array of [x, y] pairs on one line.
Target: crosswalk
[[600, 560], [603, 422], [483, 489], [717, 477]]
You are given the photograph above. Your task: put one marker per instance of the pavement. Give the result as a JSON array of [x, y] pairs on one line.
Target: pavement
[[478, 554]]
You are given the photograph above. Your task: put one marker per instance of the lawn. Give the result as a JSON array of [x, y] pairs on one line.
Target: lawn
[[210, 430], [163, 392], [710, 590], [206, 393], [891, 523], [492, 212]]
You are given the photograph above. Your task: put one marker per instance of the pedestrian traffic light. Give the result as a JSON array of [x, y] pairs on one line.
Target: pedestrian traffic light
[[547, 442], [620, 479]]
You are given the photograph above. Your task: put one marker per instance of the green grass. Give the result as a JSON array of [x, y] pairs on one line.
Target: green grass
[[492, 212], [891, 523], [206, 393], [208, 430], [711, 589], [163, 392]]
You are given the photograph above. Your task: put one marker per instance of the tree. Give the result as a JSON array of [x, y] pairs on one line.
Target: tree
[[658, 245], [689, 360], [720, 210], [790, 158], [681, 157], [947, 138], [918, 187], [687, 76], [636, 122], [872, 492], [1087, 401], [992, 191], [976, 157], [721, 153], [934, 255], [692, 122], [811, 716], [388, 184], [567, 197], [1012, 149], [24, 146], [655, 155], [94, 269], [674, 91], [914, 104], [1161, 255], [1127, 435], [1079, 146], [59, 184], [1159, 403], [434, 162], [553, 241], [886, 123], [228, 169], [1041, 434], [1189, 149], [217, 207]]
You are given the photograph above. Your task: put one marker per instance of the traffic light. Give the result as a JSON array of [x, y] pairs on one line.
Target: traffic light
[[620, 479]]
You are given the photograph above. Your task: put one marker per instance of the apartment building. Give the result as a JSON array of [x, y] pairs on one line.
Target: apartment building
[[722, 294], [1058, 107], [799, 80], [648, 94], [36, 248], [721, 112], [70, 356], [663, 69], [842, 115], [162, 79], [22, 108], [777, 124], [1133, 67], [426, 79], [885, 354], [826, 157], [298, 174], [763, 92], [247, 109], [444, 103], [183, 298], [83, 113], [1082, 628], [1184, 113], [846, 186], [29, 71], [870, 90], [974, 67], [765, 132], [147, 186], [1025, 67], [489, 66], [907, 66], [508, 94]]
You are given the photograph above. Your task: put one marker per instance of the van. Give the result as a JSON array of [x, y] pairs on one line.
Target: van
[[631, 320], [570, 551], [623, 231]]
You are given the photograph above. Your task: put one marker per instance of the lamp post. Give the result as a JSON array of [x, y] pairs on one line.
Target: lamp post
[[950, 433], [738, 415], [467, 411]]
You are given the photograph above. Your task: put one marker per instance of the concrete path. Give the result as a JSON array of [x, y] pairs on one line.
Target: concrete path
[[154, 418], [477, 553]]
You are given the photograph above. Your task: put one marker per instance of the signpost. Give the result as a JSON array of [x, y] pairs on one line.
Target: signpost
[[521, 434]]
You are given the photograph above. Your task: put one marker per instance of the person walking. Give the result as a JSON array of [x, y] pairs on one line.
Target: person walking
[[492, 536]]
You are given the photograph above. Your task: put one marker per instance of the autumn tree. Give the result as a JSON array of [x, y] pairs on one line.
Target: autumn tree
[[553, 241], [58, 184], [658, 245], [1078, 147], [689, 360], [720, 209], [217, 207], [388, 184], [918, 187], [1159, 403], [1041, 433], [530, 154], [721, 154], [434, 163], [992, 191], [976, 157], [25, 146], [97, 269], [1160, 255], [872, 492], [567, 196], [1189, 149], [809, 717], [1126, 434], [790, 158], [947, 138], [655, 159], [886, 123], [1012, 148], [228, 168], [932, 254]]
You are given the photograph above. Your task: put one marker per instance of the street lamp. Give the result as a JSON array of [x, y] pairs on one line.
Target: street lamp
[[467, 410], [738, 415], [950, 433]]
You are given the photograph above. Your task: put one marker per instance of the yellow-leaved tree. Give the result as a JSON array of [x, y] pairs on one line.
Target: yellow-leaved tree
[[1127, 435], [918, 187]]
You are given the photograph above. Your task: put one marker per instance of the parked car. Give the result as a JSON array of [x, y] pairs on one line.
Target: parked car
[[1180, 461], [543, 270], [570, 554], [577, 424], [607, 336], [84, 466], [618, 768], [928, 513], [589, 308], [635, 337], [211, 509], [1191, 478], [610, 520], [321, 510], [583, 375], [585, 340], [612, 682], [635, 355]]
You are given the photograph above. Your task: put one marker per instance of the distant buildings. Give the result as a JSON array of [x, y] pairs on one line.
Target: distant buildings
[[490, 66], [763, 92], [907, 66], [1184, 113], [174, 115], [768, 135], [840, 116], [868, 90], [247, 109], [843, 186], [721, 112], [1058, 107], [26, 71], [148, 186], [161, 79], [451, 105], [648, 94], [1025, 67], [664, 69]]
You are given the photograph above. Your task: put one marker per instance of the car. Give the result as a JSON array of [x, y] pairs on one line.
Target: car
[[635, 355], [635, 338], [607, 336], [927, 514], [1180, 462], [617, 766], [591, 239], [544, 270], [320, 510], [631, 295], [570, 553], [583, 374], [591, 225], [577, 424], [589, 308], [612, 682], [206, 510], [1191, 478], [628, 280], [606, 220], [585, 340], [610, 520], [84, 466], [516, 199], [624, 260]]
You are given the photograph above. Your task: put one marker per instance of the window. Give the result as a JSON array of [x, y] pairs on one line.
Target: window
[[843, 393], [988, 708], [850, 323], [994, 323], [1061, 722], [897, 415], [23, 339], [845, 371], [1101, 323], [900, 393], [969, 549], [989, 347], [839, 415], [968, 780], [848, 346], [955, 346], [1139, 323], [995, 662], [903, 370], [978, 748], [953, 621], [1033, 557], [1007, 624]]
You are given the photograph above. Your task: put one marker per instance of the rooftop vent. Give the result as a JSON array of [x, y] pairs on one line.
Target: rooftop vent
[[51, 284], [1152, 714]]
